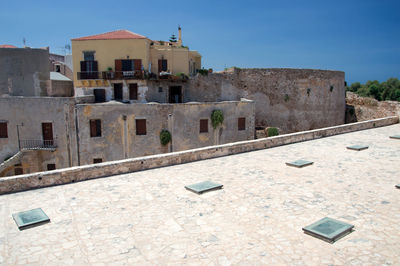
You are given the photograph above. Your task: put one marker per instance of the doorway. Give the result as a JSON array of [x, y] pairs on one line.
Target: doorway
[[118, 91], [175, 94], [47, 132]]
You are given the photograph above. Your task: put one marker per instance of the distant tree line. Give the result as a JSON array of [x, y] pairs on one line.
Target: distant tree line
[[386, 91]]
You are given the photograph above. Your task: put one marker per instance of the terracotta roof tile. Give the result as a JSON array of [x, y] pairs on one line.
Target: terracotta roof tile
[[112, 35], [7, 46]]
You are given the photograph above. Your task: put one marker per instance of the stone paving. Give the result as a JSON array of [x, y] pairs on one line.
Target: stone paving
[[149, 217]]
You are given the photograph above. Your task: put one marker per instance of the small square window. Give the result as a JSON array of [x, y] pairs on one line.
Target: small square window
[[159, 89], [57, 68], [18, 171], [203, 125], [141, 127], [3, 130], [241, 123], [95, 128], [97, 160], [51, 166]]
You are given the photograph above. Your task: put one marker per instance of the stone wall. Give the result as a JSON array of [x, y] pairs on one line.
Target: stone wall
[[24, 72], [364, 108], [290, 99], [81, 173], [29, 113], [118, 138]]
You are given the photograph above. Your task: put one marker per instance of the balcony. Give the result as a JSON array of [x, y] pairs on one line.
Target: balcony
[[134, 74], [37, 144], [89, 75]]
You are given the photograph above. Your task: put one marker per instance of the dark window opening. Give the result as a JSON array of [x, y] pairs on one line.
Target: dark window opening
[[241, 123], [58, 68], [95, 128], [162, 65], [127, 65], [175, 94], [51, 166], [118, 91], [3, 130], [97, 160], [159, 89], [133, 91], [203, 125], [141, 127], [99, 95], [18, 171]]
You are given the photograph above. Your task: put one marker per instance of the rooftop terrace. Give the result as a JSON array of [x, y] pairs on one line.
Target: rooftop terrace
[[149, 217]]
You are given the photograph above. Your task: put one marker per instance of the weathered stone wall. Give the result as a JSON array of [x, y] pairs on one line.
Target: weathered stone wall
[[24, 72], [32, 112], [365, 108], [118, 135], [291, 99], [81, 173]]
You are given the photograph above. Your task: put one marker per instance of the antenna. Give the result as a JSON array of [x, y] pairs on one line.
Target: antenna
[[24, 41]]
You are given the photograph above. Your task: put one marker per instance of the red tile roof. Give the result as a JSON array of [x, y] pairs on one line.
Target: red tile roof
[[112, 35], [7, 46]]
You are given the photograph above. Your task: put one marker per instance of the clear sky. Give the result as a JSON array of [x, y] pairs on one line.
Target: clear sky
[[360, 37]]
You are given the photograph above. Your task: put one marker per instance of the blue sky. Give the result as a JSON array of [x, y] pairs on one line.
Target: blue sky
[[360, 37]]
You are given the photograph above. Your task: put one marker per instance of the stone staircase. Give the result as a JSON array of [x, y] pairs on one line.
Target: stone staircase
[[11, 161]]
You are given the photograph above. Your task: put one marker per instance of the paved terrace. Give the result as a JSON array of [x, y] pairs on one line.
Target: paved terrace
[[257, 218]]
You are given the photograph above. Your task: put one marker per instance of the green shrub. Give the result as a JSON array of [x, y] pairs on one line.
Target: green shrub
[[165, 137], [202, 71], [272, 131], [217, 117]]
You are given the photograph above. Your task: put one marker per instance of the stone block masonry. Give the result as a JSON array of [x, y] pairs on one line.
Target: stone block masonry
[[81, 173], [290, 99]]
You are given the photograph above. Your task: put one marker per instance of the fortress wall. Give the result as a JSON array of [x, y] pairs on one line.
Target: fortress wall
[[290, 99]]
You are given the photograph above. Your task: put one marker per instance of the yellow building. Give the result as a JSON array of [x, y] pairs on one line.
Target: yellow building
[[124, 56]]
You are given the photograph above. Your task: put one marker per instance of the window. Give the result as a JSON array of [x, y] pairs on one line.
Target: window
[[133, 91], [241, 123], [162, 65], [18, 170], [3, 130], [203, 125], [97, 160], [95, 128], [57, 68], [141, 127], [88, 56], [159, 89], [51, 166]]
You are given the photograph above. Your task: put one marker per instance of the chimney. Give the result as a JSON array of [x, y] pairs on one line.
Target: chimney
[[180, 36]]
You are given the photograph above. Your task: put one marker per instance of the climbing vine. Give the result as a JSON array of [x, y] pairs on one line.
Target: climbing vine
[[217, 117]]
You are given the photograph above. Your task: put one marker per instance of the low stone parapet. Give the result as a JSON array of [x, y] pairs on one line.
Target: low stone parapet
[[81, 173]]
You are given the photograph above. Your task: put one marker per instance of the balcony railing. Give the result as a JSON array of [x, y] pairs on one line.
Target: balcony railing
[[134, 74], [37, 144], [89, 75]]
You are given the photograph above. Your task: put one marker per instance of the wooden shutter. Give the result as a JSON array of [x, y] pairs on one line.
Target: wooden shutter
[[203, 125], [93, 132], [133, 91], [159, 66], [138, 64], [83, 66], [95, 67], [241, 123], [3, 130], [118, 69], [98, 128], [141, 127]]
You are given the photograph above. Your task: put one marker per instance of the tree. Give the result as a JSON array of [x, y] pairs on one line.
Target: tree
[[172, 38]]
